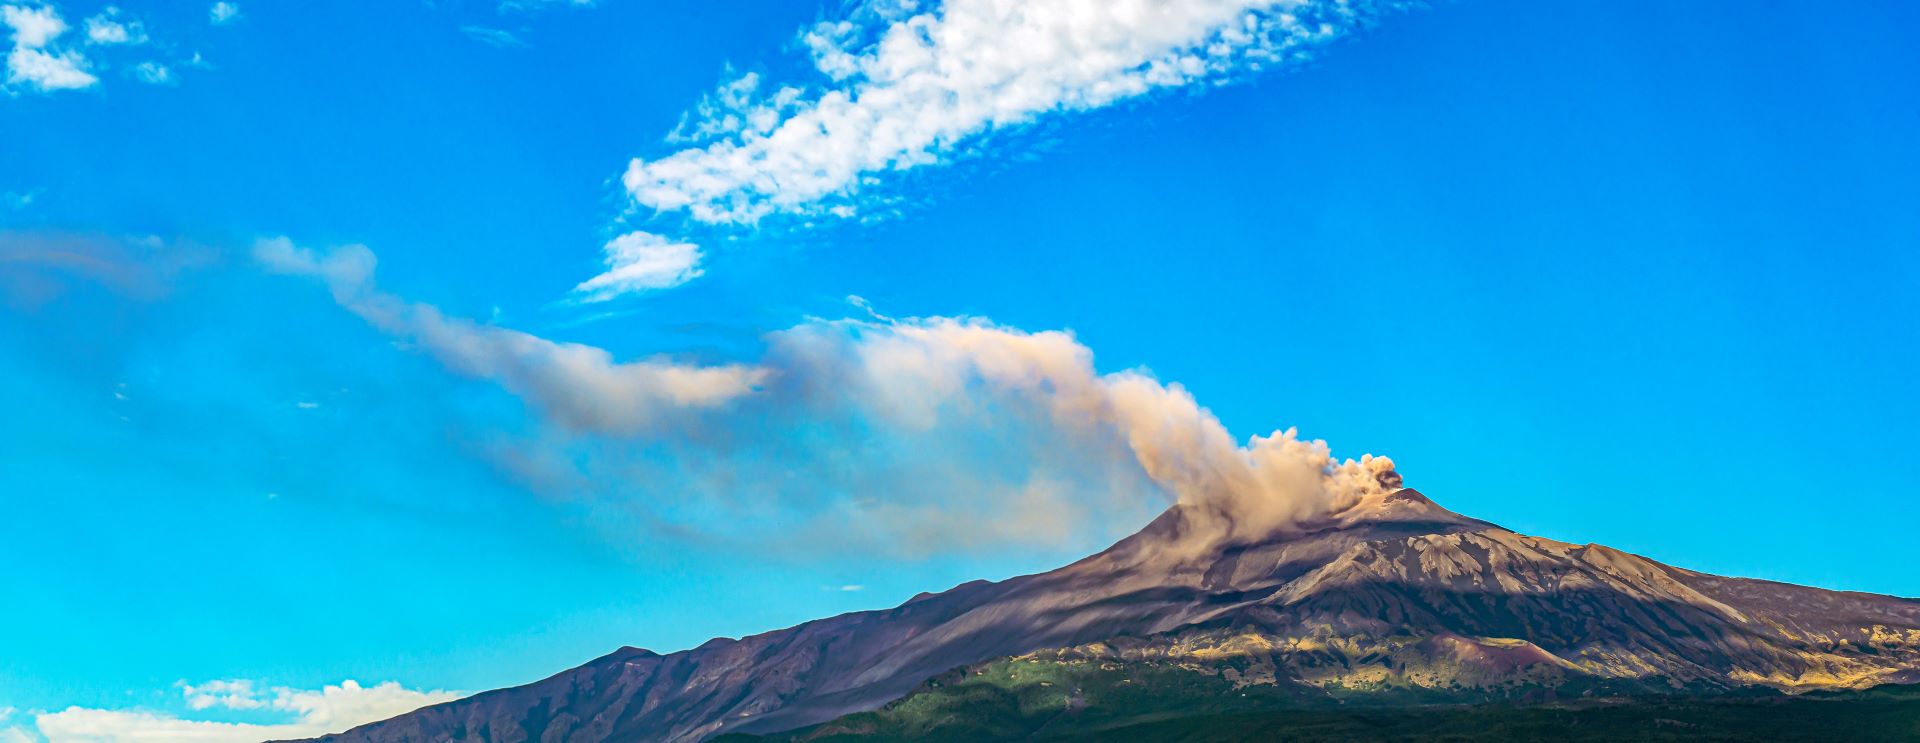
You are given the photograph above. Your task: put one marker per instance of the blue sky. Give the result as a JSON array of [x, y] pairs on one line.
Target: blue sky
[[1635, 273]]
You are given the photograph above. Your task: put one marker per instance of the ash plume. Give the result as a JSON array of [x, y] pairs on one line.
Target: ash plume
[[899, 429]]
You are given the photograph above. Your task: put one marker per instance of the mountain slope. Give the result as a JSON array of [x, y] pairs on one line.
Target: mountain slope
[[1032, 699], [1393, 592]]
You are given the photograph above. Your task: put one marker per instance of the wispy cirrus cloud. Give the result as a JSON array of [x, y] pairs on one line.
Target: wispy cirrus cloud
[[904, 89], [494, 37], [526, 6], [903, 86], [641, 261], [519, 13]]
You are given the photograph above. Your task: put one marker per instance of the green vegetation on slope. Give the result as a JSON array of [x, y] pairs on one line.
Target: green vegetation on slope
[[1026, 698]]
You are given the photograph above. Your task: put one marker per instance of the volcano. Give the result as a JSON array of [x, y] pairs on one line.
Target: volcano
[[1391, 595]]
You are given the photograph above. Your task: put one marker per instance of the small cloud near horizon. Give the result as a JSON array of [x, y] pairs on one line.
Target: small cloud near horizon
[[304, 713]]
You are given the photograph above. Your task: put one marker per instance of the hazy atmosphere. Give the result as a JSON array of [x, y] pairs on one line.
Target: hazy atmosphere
[[361, 356]]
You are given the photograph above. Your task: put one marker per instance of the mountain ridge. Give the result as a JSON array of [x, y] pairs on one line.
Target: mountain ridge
[[1392, 592]]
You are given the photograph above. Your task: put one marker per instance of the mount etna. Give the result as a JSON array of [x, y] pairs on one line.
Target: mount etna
[[1393, 603]]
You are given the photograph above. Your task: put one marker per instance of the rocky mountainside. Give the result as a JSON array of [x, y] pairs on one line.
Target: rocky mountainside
[[1393, 593]]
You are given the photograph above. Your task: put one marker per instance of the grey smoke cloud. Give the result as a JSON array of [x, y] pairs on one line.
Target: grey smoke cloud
[[39, 266], [916, 431], [579, 386]]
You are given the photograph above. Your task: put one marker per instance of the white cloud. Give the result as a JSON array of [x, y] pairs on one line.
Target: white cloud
[[349, 704], [154, 73], [31, 63], [904, 85], [48, 72], [13, 734], [331, 709], [234, 694], [642, 261], [85, 725], [907, 87], [223, 13], [38, 62], [112, 27], [33, 26], [735, 107]]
